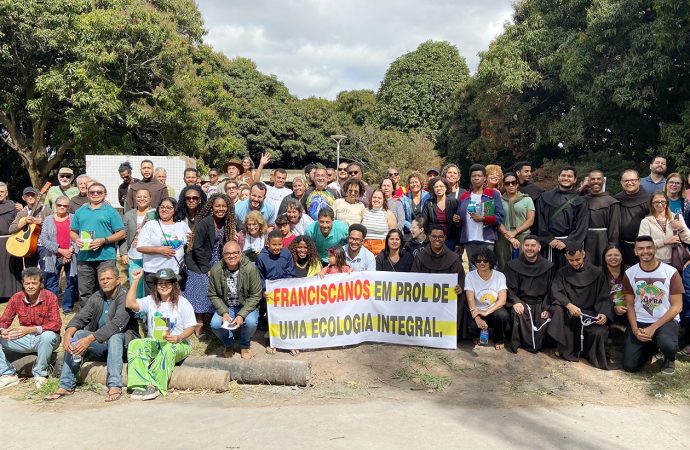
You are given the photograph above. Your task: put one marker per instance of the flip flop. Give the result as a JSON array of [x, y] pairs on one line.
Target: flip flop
[[113, 396], [56, 395], [271, 350]]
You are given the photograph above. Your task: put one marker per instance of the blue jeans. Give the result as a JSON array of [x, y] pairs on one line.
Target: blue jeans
[[246, 331], [111, 351], [42, 344], [52, 283]]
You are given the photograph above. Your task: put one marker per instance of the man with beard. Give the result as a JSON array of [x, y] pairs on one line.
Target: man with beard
[[604, 218], [157, 189], [634, 206], [523, 170], [529, 279], [436, 258], [653, 296], [561, 217], [64, 187], [655, 181], [256, 202], [582, 310]]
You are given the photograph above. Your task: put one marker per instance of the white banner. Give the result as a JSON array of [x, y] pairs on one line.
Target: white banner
[[346, 309]]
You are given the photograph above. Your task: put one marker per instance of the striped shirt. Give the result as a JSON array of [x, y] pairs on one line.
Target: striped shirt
[[376, 222]]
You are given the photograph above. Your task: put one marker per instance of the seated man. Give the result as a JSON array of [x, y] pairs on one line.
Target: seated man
[[103, 328], [582, 309], [436, 258], [653, 296], [529, 280], [234, 288], [38, 331]]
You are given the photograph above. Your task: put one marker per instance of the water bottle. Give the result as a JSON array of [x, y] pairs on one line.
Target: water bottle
[[75, 358], [484, 337], [516, 253]]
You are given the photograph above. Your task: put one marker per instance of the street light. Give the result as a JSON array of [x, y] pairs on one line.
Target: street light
[[337, 138]]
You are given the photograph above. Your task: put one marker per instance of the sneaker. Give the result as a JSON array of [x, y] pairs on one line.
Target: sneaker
[[669, 367], [39, 381], [659, 356], [8, 380], [150, 393], [137, 394]]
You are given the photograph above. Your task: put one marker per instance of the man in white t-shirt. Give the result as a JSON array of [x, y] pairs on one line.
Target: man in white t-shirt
[[276, 193], [653, 296]]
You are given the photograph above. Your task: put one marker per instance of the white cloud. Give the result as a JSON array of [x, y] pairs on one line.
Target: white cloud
[[322, 47]]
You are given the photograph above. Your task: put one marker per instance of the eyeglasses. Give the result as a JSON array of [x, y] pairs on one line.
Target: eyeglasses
[[674, 183], [61, 206], [231, 253], [510, 183], [355, 240], [481, 261], [342, 169], [166, 208], [437, 238], [64, 176], [393, 174], [96, 192], [192, 197]]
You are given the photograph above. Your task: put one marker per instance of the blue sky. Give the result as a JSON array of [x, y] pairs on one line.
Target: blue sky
[[321, 47]]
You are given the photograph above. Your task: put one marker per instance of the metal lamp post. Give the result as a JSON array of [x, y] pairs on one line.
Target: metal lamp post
[[337, 138]]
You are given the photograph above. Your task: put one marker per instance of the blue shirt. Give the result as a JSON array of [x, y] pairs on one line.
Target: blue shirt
[[267, 211], [337, 236], [104, 314], [365, 260], [274, 267], [676, 206], [99, 223], [650, 186]]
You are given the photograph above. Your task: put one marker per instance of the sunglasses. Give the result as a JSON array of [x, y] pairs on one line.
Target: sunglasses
[[393, 174], [353, 172], [64, 176], [61, 206], [192, 197], [510, 183], [96, 192], [482, 261], [342, 169]]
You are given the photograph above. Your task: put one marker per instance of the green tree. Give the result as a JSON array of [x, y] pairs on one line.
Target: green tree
[[358, 105], [417, 87], [99, 76]]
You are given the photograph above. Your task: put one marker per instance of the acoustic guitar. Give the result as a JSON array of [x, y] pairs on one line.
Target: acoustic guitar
[[24, 242]]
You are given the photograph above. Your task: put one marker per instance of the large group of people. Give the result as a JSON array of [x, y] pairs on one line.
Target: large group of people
[[546, 268]]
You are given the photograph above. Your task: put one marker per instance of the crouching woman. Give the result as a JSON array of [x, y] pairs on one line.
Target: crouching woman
[[170, 322]]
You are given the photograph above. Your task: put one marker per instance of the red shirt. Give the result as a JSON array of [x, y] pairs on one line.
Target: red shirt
[[44, 313], [288, 239], [62, 236]]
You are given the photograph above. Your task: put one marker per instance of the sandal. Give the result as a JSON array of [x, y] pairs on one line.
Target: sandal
[[499, 346], [294, 352], [271, 350], [57, 394], [113, 396]]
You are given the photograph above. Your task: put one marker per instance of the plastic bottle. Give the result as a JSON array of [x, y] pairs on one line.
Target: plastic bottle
[[516, 253], [75, 358], [484, 337]]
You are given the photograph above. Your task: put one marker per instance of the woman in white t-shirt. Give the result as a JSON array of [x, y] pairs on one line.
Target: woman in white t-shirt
[[134, 220], [171, 321], [486, 292], [162, 241]]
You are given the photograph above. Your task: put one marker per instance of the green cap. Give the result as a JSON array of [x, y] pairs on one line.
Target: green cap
[[166, 274]]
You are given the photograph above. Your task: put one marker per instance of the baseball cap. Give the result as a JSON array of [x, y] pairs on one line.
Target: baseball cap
[[65, 170], [29, 190]]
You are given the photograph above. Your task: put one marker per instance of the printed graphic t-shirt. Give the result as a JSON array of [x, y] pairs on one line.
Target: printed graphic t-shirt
[[652, 290], [485, 291]]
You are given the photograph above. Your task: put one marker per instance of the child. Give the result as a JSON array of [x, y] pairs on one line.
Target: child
[[283, 225], [418, 239], [336, 262], [273, 263]]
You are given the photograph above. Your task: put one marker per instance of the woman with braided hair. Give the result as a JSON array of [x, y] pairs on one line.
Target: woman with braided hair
[[215, 224]]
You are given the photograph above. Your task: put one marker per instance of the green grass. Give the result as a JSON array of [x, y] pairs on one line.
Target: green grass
[[676, 386], [426, 358], [435, 382], [420, 366], [48, 388]]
